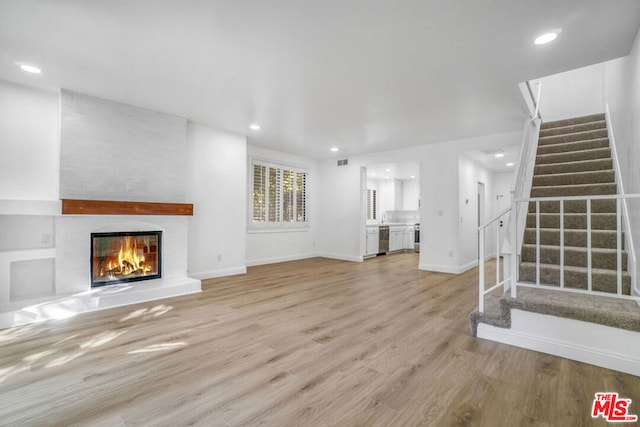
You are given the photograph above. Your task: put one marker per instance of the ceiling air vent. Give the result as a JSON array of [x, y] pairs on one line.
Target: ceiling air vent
[[343, 162]]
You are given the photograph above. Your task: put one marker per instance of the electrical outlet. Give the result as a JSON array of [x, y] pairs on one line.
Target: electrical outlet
[[450, 254], [219, 257], [46, 238]]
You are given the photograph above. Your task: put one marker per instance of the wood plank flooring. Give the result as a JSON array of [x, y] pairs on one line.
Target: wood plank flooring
[[307, 343]]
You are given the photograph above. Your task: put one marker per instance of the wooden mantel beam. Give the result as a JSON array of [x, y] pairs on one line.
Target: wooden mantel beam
[[112, 207]]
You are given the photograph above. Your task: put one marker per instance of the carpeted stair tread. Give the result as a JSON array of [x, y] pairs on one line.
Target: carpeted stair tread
[[572, 137], [577, 238], [595, 309], [603, 176], [602, 310], [573, 121], [575, 156], [493, 314], [582, 127], [575, 190], [604, 258], [573, 221], [577, 166], [575, 277], [566, 147], [576, 206]]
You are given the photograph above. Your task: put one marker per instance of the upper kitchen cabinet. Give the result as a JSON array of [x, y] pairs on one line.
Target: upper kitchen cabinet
[[391, 195]]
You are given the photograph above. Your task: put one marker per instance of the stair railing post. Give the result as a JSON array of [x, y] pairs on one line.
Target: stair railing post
[[513, 280], [589, 266], [562, 243], [537, 242], [497, 253], [619, 247], [481, 270]]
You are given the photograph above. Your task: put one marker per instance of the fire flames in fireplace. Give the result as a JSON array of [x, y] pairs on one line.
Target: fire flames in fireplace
[[130, 260], [118, 257]]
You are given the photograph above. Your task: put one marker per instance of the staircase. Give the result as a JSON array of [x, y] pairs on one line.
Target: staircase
[[574, 159]]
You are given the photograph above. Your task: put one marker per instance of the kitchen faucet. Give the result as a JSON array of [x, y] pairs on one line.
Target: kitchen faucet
[[384, 218]]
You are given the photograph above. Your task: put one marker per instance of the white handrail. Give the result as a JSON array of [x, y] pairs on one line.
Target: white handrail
[[569, 198], [497, 217]]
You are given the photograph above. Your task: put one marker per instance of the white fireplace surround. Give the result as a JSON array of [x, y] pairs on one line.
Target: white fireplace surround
[[73, 240], [73, 292], [94, 134]]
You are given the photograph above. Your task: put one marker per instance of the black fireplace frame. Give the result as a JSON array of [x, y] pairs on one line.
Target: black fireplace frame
[[128, 279]]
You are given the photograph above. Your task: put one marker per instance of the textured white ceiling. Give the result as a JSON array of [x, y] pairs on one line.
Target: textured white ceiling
[[363, 75]]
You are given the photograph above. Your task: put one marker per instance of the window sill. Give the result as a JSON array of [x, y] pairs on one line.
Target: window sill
[[259, 230]]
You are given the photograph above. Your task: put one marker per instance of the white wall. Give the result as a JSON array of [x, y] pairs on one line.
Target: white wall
[[340, 210], [342, 226], [29, 143], [114, 151], [470, 174], [217, 186], [622, 94], [573, 93], [269, 246]]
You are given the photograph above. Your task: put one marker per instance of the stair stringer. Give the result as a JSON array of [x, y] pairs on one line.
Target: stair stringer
[[598, 345]]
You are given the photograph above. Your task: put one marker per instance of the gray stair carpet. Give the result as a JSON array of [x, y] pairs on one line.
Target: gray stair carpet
[[573, 159], [614, 312]]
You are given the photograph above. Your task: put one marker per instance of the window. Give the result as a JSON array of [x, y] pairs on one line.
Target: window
[[279, 194], [371, 204]]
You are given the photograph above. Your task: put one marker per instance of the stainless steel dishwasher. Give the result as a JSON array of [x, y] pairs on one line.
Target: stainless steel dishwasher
[[383, 241]]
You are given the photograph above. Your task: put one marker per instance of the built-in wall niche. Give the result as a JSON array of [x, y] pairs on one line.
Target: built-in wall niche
[[31, 279], [27, 257]]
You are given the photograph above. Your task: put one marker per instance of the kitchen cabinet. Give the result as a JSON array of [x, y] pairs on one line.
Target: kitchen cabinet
[[409, 237], [372, 241], [396, 239], [401, 238]]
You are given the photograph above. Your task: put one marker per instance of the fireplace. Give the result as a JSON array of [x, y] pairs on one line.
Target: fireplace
[[125, 257]]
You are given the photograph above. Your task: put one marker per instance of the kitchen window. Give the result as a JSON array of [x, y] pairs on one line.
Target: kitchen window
[[372, 204], [278, 195]]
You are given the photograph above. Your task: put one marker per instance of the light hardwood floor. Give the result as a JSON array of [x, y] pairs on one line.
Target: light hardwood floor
[[305, 343]]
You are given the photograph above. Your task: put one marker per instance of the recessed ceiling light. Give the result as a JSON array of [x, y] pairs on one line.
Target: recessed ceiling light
[[413, 176], [546, 38], [499, 155], [510, 164], [30, 69], [387, 170], [386, 177], [334, 149], [254, 127]]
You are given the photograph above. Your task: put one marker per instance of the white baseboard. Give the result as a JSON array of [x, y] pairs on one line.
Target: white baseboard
[[448, 268], [222, 272], [274, 260], [599, 345], [341, 257]]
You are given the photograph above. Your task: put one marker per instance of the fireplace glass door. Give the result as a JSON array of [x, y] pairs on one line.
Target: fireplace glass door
[[125, 257]]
